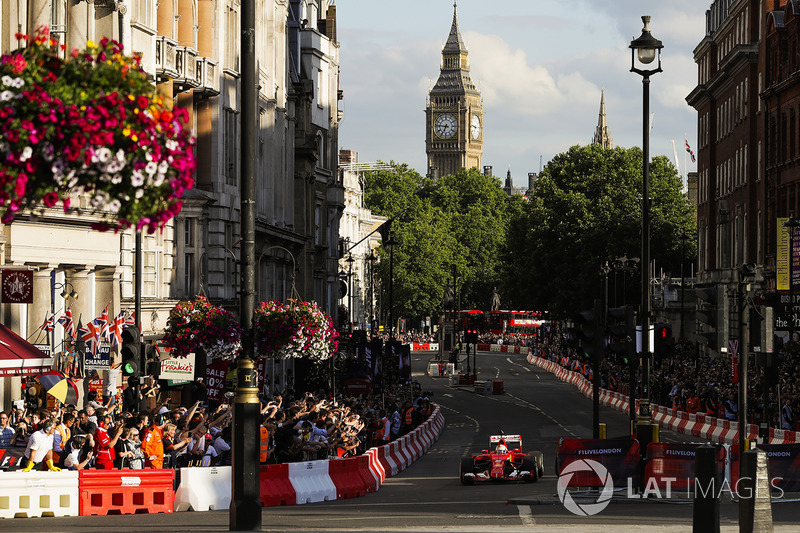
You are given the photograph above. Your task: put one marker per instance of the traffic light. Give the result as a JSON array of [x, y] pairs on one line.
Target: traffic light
[[663, 342], [471, 336], [711, 316], [621, 331], [588, 333], [131, 351]]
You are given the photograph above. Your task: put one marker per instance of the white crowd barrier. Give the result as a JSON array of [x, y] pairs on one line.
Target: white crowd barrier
[[35, 494], [204, 489], [311, 482]]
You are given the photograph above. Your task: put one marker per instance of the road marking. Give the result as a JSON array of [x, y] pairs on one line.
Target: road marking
[[537, 408], [525, 515]]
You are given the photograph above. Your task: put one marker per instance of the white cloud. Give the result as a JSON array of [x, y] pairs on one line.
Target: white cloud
[[506, 78]]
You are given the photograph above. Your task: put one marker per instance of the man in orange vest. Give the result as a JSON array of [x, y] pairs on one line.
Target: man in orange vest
[[153, 443], [263, 453], [382, 433]]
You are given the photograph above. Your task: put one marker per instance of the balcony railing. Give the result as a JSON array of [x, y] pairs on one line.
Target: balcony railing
[[166, 60]]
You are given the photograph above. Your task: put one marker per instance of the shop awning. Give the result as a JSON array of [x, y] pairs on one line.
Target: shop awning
[[18, 357]]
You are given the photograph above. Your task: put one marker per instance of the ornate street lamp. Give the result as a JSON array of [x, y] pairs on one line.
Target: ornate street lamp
[[371, 258], [391, 244], [645, 49]]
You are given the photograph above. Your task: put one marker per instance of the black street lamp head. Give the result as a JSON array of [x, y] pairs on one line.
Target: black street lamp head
[[372, 257], [646, 49]]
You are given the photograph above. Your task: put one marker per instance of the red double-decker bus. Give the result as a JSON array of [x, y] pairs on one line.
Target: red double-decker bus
[[517, 322]]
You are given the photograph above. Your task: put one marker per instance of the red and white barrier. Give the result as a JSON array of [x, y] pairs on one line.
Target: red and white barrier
[[201, 489], [699, 425]]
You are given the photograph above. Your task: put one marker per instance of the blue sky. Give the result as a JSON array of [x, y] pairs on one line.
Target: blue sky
[[540, 66]]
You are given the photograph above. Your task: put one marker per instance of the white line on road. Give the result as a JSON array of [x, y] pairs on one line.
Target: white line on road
[[537, 408], [527, 369], [525, 515]]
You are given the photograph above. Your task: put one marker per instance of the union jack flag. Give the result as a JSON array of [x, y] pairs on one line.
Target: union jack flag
[[689, 149], [103, 324], [130, 320], [66, 321], [91, 336], [116, 329], [49, 323]]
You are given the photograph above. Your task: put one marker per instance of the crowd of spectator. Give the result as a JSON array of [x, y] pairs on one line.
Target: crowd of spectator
[[131, 434], [700, 384]]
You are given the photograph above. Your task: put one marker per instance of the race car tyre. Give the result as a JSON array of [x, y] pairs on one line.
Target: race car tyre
[[467, 467], [529, 464], [539, 458]]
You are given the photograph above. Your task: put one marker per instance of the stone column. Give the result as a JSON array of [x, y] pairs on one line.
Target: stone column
[[83, 308], [78, 24], [39, 15], [42, 304]]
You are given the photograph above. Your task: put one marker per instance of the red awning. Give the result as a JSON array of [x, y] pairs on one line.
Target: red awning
[[18, 357]]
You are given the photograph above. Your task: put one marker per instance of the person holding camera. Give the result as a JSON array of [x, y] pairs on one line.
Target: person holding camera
[[103, 442]]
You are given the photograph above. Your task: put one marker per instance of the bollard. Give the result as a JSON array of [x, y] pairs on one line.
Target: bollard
[[755, 504], [705, 515]]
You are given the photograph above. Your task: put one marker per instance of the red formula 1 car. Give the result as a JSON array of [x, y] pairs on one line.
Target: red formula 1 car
[[503, 461]]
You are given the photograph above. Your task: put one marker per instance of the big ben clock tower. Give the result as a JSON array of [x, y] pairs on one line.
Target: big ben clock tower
[[454, 114]]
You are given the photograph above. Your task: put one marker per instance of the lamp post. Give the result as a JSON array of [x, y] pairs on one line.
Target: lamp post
[[391, 243], [371, 258], [350, 292], [646, 49], [245, 506], [66, 295], [683, 238]]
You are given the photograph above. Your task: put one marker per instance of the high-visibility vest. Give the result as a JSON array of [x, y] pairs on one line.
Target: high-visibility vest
[[427, 410], [408, 416], [264, 451], [613, 384], [383, 431], [65, 433], [676, 403]]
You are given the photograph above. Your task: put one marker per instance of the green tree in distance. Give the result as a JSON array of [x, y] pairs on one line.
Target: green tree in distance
[[458, 222], [586, 210]]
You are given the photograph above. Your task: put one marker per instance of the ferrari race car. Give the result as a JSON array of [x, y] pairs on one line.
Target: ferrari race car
[[503, 461]]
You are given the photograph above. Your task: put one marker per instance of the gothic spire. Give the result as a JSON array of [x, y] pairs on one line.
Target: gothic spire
[[454, 41], [601, 135]]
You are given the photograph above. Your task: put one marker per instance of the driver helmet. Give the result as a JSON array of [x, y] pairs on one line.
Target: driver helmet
[[501, 448]]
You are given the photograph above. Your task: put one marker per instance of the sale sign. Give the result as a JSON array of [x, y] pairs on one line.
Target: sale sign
[[215, 381]]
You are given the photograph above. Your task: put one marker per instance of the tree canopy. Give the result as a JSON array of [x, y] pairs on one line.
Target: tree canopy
[[457, 224], [543, 253], [586, 211]]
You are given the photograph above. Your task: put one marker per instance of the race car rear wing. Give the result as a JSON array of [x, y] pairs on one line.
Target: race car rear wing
[[513, 442]]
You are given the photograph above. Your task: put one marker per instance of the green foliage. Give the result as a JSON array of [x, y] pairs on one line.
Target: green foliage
[[587, 210], [456, 223]]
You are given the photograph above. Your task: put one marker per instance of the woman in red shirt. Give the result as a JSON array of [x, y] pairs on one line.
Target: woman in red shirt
[[104, 443]]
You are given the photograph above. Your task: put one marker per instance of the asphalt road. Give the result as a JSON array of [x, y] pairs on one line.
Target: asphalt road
[[428, 496]]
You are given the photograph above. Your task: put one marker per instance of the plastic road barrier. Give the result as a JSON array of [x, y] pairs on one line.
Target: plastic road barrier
[[34, 494], [311, 482], [104, 492], [276, 489], [204, 489]]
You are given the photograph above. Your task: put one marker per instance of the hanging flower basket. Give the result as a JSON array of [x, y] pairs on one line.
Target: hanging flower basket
[[89, 132], [198, 324], [295, 329]]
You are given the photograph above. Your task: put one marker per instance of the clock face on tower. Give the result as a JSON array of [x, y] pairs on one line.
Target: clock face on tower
[[445, 126], [475, 127]]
